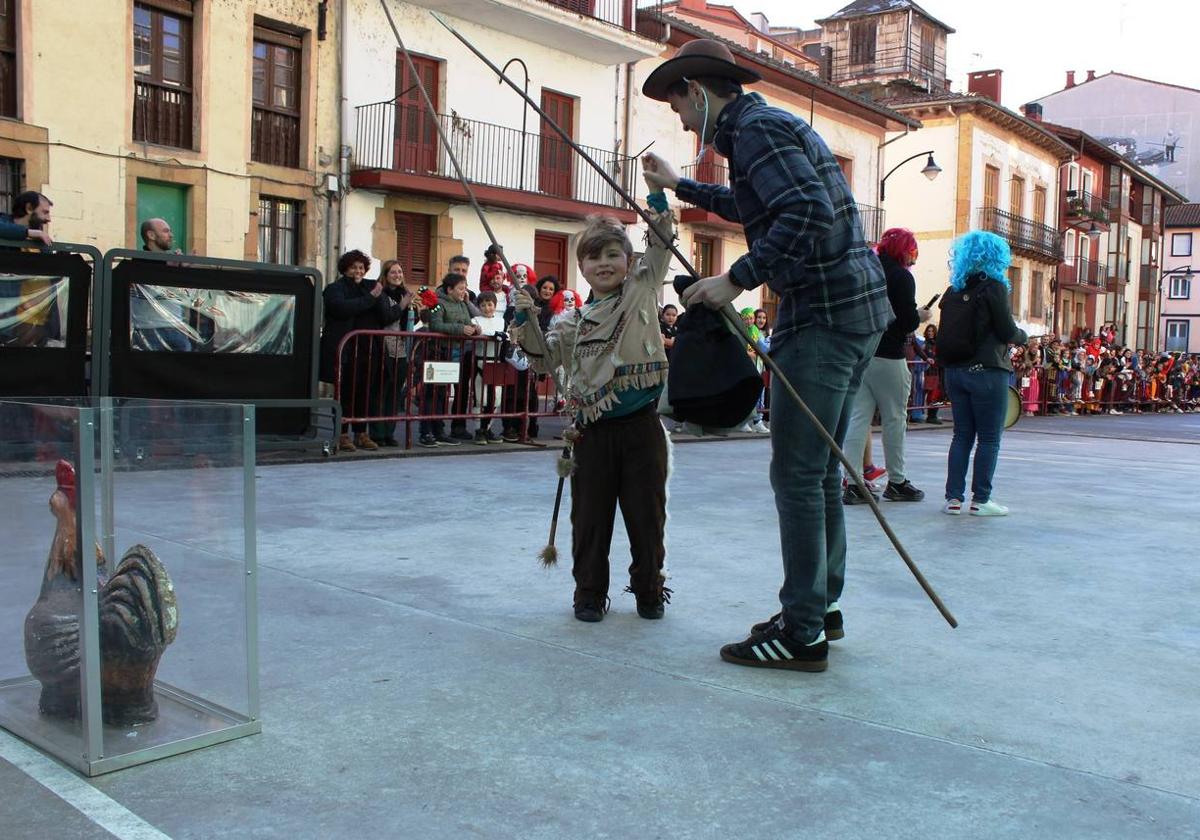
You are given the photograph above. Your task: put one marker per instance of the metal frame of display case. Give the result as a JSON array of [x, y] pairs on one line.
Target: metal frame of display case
[[318, 406], [93, 761]]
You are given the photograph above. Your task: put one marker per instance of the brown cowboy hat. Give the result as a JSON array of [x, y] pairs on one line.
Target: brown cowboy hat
[[702, 57]]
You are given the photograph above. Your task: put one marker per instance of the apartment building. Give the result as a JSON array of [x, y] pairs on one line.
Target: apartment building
[[219, 117], [406, 200], [1000, 173], [1180, 288]]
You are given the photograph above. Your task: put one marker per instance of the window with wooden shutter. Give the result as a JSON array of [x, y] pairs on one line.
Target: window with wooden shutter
[[991, 186], [275, 114], [8, 59], [1039, 205], [162, 66], [412, 247], [1037, 306], [12, 180], [704, 255], [862, 42], [928, 47], [1016, 196], [1014, 280]]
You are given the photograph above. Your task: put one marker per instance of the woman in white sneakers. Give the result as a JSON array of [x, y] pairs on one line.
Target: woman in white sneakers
[[973, 338]]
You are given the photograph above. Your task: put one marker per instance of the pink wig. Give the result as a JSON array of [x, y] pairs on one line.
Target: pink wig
[[897, 243]]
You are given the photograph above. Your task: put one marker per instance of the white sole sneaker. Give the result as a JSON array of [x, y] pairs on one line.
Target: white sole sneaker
[[954, 507], [988, 508]]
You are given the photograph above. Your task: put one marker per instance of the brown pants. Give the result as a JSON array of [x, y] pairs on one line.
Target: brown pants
[[621, 460]]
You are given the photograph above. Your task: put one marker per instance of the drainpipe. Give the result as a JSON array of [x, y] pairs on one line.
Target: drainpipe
[[629, 107], [343, 148]]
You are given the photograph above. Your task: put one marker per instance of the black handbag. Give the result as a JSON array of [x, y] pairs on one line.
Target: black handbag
[[712, 381]]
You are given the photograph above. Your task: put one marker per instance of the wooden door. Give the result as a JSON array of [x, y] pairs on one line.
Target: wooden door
[[416, 135], [550, 256], [556, 160]]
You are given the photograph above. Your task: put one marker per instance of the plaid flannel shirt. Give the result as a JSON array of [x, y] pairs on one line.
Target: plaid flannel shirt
[[801, 223]]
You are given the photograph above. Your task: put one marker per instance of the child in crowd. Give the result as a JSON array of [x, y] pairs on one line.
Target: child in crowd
[[666, 326], [617, 369], [493, 278], [489, 364]]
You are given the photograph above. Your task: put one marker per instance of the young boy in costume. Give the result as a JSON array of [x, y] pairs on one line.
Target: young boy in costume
[[617, 368]]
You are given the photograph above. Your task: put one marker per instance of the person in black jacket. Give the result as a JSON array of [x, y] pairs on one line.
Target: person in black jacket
[[887, 382], [978, 387], [351, 303]]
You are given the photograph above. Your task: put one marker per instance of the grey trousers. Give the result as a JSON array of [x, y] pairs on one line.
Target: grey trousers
[[885, 386]]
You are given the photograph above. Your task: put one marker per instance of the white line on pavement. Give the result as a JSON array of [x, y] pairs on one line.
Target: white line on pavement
[[98, 807]]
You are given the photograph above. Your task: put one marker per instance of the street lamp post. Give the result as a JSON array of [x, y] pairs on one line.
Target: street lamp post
[[524, 111], [1185, 271], [930, 171], [1093, 232]]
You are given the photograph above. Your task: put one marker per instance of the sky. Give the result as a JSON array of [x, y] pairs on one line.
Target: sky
[[1036, 41]]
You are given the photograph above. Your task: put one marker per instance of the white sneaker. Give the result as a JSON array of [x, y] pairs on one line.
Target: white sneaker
[[954, 507], [745, 428], [761, 428], [988, 508]]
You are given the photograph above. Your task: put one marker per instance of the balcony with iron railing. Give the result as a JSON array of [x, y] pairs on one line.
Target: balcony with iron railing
[[870, 216], [162, 114], [603, 31], [846, 66], [1081, 204], [1085, 274], [397, 148], [1025, 236]]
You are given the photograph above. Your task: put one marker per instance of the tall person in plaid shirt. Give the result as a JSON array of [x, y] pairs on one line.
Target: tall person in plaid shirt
[[806, 244]]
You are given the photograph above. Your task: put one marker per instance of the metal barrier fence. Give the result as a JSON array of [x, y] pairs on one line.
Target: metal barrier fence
[[427, 378]]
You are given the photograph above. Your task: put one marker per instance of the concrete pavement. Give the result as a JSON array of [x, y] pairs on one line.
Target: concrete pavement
[[423, 677]]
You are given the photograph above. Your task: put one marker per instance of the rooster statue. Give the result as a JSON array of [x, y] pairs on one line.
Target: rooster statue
[[138, 619]]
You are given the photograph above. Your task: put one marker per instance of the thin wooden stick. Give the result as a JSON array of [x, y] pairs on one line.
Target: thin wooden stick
[[730, 316]]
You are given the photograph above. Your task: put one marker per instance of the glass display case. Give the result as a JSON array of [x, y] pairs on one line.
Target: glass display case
[[128, 622]]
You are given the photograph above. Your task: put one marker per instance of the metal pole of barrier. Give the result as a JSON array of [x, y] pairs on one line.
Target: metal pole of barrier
[[728, 312]]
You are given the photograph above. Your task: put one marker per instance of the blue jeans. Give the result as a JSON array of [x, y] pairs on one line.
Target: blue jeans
[[918, 393], [978, 398], [826, 368]]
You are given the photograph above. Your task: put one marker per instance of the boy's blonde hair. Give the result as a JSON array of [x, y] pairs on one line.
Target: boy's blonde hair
[[601, 231]]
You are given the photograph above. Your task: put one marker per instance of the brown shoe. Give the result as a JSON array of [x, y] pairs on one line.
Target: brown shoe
[[363, 441], [345, 444]]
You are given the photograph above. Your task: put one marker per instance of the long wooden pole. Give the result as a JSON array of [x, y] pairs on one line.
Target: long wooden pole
[[731, 318]]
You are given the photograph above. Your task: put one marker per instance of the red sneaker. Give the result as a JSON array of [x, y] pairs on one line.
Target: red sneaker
[[872, 472]]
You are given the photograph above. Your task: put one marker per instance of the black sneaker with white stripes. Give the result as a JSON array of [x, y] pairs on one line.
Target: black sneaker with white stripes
[[834, 627], [774, 648]]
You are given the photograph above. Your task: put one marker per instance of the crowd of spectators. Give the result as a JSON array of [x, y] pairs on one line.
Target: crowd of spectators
[[1095, 374], [384, 376], [1090, 374]]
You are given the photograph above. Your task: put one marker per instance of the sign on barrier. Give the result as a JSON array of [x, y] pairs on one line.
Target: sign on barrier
[[441, 373]]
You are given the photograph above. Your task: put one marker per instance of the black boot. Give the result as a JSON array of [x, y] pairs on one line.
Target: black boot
[[932, 418]]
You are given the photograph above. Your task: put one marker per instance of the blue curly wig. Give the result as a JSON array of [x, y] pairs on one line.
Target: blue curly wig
[[979, 252]]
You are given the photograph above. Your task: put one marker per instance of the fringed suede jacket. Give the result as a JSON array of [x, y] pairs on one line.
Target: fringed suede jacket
[[614, 345]]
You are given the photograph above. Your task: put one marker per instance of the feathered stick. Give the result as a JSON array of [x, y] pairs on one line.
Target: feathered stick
[[565, 466]]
